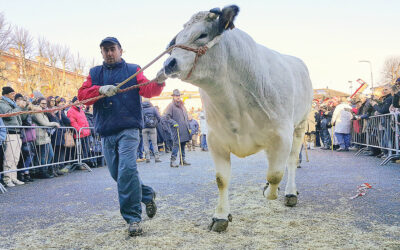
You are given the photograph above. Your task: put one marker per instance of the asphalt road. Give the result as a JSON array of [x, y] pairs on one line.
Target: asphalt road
[[327, 179]]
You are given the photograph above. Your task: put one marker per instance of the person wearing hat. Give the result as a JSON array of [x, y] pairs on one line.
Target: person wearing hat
[[178, 119], [13, 140], [118, 119]]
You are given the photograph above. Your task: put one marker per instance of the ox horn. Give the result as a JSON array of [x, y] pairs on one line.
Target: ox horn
[[214, 13]]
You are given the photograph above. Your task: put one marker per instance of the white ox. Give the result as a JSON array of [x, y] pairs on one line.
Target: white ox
[[255, 99]]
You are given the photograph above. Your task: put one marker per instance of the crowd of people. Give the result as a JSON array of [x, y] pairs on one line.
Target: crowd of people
[[332, 120], [24, 143]]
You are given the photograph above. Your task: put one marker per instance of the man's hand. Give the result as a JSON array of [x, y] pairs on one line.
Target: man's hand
[[108, 90], [176, 125], [190, 131], [161, 77]]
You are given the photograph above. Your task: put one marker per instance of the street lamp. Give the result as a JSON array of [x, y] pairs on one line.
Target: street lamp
[[370, 68]]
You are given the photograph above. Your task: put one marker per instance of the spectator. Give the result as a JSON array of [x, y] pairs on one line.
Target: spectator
[[165, 130], [3, 136], [13, 140], [151, 118], [325, 125], [58, 138], [28, 136], [76, 115], [203, 132], [43, 141], [310, 131], [178, 119], [341, 119], [317, 118], [194, 132]]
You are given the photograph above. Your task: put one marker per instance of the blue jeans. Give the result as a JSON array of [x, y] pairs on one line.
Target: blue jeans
[[203, 142], [175, 149], [121, 161], [45, 156], [343, 140]]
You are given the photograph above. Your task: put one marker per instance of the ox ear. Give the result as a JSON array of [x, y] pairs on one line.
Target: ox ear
[[227, 17]]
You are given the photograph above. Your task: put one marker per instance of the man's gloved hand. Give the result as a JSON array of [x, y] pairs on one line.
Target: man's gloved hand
[[161, 76], [190, 131], [108, 90], [176, 125]]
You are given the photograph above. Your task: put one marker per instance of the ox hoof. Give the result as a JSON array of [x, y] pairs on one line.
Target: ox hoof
[[219, 225], [290, 200], [266, 187]]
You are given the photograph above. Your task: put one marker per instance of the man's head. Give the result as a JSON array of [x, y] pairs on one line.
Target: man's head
[[8, 92], [386, 89], [176, 95], [42, 102], [111, 50]]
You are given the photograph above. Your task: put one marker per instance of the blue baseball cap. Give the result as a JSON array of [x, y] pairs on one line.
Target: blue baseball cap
[[110, 39]]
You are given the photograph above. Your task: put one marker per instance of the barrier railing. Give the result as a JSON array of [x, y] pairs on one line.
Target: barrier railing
[[43, 150], [380, 131], [89, 146]]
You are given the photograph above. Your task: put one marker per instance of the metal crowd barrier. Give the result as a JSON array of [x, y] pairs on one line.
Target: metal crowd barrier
[[90, 147], [27, 148], [380, 131]]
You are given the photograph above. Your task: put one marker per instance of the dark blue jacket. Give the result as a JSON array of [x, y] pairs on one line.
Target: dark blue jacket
[[148, 108], [194, 126], [119, 112]]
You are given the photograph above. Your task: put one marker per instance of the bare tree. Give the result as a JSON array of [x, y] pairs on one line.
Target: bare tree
[[5, 40], [63, 53], [5, 33], [22, 41], [78, 67], [391, 69]]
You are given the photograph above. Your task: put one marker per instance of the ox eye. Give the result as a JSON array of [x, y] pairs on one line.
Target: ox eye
[[202, 36]]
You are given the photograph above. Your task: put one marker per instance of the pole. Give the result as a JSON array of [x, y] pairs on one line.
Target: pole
[[179, 143], [305, 148]]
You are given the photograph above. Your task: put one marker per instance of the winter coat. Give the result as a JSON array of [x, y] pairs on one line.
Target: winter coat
[[3, 131], [383, 108], [194, 127], [342, 118], [311, 122], [150, 110], [203, 124], [176, 114], [41, 119], [164, 128], [78, 120], [57, 138], [8, 106]]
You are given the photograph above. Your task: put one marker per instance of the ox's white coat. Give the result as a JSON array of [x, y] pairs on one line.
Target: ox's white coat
[[255, 99]]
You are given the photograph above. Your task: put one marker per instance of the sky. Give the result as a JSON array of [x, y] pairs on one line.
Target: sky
[[330, 36]]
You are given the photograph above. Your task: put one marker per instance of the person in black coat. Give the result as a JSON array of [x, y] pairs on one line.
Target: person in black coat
[[61, 153], [151, 118]]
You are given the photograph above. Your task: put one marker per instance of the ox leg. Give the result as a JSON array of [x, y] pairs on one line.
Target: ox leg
[[293, 161], [277, 154], [222, 163]]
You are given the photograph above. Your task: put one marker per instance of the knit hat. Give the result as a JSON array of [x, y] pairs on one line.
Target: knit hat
[[7, 90]]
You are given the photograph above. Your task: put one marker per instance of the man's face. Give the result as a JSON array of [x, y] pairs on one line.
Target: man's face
[[111, 53], [11, 95], [43, 104], [177, 98]]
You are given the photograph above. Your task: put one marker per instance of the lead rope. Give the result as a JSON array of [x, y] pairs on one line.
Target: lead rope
[[199, 52]]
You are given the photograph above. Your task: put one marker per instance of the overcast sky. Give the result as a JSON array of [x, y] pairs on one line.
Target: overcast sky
[[330, 36]]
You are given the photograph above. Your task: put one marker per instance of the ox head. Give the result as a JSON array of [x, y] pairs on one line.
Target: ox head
[[203, 29]]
